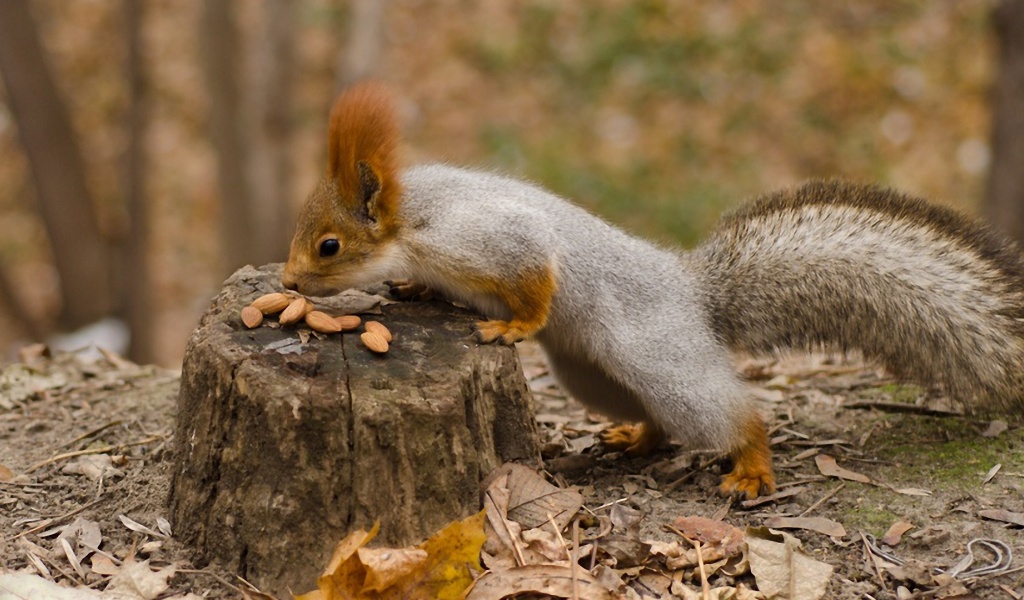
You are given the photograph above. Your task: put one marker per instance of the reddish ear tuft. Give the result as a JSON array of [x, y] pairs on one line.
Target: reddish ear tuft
[[364, 130]]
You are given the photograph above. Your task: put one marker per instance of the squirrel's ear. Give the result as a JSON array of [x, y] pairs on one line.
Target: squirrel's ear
[[361, 152], [369, 190]]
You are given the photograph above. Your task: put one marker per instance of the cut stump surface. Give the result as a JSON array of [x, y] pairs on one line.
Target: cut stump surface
[[283, 447]]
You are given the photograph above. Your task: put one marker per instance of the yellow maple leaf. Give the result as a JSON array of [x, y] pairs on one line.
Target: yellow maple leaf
[[441, 568], [344, 574]]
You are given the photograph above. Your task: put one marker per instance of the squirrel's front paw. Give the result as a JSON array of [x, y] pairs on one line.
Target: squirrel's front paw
[[505, 332], [637, 440], [405, 289]]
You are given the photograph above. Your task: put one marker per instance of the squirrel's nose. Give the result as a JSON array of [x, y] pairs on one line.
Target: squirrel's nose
[[289, 282]]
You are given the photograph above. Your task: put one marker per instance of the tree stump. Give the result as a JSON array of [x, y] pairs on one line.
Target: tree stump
[[283, 447]]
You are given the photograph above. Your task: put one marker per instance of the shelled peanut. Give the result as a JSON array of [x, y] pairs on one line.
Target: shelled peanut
[[294, 308]]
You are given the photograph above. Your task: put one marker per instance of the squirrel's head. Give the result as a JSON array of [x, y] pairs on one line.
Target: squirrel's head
[[346, 231]]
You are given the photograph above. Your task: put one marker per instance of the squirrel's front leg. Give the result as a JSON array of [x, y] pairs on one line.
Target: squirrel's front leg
[[528, 299], [406, 289]]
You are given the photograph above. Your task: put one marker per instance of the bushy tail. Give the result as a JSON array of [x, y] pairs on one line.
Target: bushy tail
[[934, 296]]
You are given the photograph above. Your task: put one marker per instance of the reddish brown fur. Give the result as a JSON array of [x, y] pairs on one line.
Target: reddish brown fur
[[638, 440], [528, 298], [363, 128], [752, 472]]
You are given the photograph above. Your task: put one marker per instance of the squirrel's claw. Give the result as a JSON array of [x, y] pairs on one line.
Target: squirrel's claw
[[751, 474], [749, 485], [405, 289], [505, 332], [636, 440]]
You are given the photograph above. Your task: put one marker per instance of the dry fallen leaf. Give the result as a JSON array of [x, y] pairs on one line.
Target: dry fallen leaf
[[781, 569], [136, 581], [1005, 516], [5, 473], [532, 502], [912, 491], [895, 533], [828, 467], [557, 581], [442, 568], [510, 542], [773, 497], [21, 586], [387, 566], [740, 592], [342, 573], [991, 473], [709, 530], [995, 428], [138, 527], [818, 524], [103, 565]]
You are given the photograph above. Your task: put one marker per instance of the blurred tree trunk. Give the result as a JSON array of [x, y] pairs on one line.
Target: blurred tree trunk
[[270, 128], [251, 130], [80, 253], [20, 316], [1005, 202], [362, 52], [220, 44], [136, 288]]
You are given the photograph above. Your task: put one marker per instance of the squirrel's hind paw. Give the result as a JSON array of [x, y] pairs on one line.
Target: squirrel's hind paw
[[505, 332], [752, 473], [749, 485], [637, 440]]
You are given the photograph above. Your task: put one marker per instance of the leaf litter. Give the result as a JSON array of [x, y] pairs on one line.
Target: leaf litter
[[620, 542]]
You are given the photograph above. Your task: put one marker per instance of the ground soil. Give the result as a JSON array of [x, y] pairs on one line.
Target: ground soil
[[870, 424]]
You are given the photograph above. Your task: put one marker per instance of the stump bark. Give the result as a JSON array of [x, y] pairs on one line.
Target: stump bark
[[283, 447]]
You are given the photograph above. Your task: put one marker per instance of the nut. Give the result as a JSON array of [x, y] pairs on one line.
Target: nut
[[322, 322], [348, 322], [269, 304], [296, 309], [374, 341], [252, 317], [378, 328]]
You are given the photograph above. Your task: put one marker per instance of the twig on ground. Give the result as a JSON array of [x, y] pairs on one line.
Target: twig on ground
[[823, 499], [50, 522], [515, 543], [89, 434], [101, 450], [575, 564]]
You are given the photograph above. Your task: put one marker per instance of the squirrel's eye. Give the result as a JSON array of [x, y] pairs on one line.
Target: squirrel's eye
[[329, 247]]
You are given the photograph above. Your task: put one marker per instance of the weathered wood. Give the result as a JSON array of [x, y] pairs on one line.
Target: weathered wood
[[283, 447]]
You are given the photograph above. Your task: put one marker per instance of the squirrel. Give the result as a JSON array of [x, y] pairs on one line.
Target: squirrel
[[643, 333]]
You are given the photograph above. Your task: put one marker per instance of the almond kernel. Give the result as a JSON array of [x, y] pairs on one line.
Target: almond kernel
[[322, 322], [348, 322], [374, 341], [251, 317], [269, 304], [296, 309], [378, 328]]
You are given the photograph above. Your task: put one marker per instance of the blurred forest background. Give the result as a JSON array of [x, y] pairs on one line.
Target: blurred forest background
[[150, 147]]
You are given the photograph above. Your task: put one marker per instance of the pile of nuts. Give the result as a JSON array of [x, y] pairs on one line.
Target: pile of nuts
[[295, 308]]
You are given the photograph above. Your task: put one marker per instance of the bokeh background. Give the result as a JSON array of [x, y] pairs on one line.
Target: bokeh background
[[200, 125]]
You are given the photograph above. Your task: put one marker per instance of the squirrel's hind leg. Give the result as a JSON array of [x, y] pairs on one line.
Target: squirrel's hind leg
[[752, 473]]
